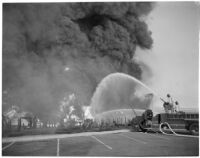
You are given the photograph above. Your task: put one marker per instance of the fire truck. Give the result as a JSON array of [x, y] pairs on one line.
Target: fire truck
[[177, 121], [171, 119]]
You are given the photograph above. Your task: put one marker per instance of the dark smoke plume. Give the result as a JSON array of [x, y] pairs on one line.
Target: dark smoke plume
[[91, 39]]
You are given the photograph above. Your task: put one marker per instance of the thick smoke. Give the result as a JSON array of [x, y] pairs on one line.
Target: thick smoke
[[91, 40]]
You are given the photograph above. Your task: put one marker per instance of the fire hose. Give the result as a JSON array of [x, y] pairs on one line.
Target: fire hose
[[174, 133]]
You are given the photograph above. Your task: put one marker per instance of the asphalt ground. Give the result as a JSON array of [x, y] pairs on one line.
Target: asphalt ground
[[109, 144]]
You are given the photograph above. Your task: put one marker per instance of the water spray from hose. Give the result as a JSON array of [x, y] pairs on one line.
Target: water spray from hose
[[118, 90]]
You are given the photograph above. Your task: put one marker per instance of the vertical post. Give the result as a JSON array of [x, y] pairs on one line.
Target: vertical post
[[34, 122], [19, 124], [30, 122], [10, 124]]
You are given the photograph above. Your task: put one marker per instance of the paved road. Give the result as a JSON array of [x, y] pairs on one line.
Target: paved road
[[57, 136], [110, 144]]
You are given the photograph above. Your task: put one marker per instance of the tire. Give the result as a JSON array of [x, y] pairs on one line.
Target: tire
[[194, 129]]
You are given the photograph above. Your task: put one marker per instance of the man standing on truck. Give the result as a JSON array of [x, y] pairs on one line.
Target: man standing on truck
[[170, 106]]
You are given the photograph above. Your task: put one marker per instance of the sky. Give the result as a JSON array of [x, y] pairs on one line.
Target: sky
[[174, 56]]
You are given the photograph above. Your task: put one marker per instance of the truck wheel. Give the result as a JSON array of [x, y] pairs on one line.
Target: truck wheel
[[194, 129]]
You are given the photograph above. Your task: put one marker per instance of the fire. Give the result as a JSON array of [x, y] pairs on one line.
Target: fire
[[87, 112], [71, 112]]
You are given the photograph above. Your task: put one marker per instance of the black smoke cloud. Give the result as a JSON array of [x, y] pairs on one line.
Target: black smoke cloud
[[91, 39]]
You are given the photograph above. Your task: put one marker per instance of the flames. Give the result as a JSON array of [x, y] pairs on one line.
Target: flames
[[72, 112], [87, 112]]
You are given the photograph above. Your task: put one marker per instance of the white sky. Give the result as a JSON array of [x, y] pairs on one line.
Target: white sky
[[174, 56]]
